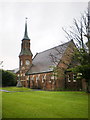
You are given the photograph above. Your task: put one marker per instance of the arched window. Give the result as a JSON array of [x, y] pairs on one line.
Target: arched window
[[74, 77], [68, 78], [37, 78], [43, 78], [32, 78]]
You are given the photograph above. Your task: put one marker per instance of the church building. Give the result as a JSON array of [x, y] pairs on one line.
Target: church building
[[47, 70]]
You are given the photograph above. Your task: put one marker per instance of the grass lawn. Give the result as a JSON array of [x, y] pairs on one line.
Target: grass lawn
[[0, 105], [44, 104], [20, 89]]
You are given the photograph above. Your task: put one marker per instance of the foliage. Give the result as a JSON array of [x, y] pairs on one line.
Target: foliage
[[83, 58], [45, 104], [8, 78], [84, 69], [80, 33], [57, 72]]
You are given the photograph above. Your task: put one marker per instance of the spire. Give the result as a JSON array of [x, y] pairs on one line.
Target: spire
[[26, 33]]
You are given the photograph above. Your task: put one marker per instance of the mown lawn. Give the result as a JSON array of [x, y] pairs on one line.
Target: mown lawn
[[44, 104], [20, 89], [0, 105]]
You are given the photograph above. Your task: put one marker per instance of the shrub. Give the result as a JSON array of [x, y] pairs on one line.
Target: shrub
[[8, 78]]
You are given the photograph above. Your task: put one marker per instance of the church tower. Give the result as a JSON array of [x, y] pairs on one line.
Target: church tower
[[25, 56]]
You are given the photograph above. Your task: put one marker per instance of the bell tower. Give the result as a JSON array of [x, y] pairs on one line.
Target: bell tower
[[25, 56]]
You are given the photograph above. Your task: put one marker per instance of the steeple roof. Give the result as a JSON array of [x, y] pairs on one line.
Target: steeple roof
[[25, 52], [26, 33]]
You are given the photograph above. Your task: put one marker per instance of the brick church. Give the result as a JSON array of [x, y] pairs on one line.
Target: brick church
[[47, 70]]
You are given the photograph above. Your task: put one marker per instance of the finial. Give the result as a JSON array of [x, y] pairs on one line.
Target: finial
[[26, 33], [26, 18]]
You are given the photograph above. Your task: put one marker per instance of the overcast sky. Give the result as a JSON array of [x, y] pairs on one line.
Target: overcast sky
[[45, 22]]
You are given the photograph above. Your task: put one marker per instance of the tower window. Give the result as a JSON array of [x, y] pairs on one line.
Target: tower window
[[27, 45], [21, 62]]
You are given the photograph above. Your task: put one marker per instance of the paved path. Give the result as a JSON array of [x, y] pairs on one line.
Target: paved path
[[22, 91], [5, 91], [11, 91]]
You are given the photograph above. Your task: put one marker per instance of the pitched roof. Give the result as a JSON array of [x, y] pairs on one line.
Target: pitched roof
[[46, 60]]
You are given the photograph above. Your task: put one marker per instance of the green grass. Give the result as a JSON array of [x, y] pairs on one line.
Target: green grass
[[15, 89], [44, 104], [0, 104]]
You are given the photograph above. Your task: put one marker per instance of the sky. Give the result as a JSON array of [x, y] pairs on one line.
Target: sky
[[44, 24]]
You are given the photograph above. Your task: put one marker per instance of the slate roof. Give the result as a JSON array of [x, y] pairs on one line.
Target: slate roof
[[43, 62]]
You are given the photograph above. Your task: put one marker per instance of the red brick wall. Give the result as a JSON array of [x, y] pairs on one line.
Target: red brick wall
[[43, 82], [50, 84], [64, 64]]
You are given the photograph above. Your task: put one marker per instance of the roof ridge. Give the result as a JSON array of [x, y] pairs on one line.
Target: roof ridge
[[51, 48], [54, 47]]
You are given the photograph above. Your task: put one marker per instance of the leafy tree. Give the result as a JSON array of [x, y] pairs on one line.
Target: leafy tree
[[80, 32], [8, 78]]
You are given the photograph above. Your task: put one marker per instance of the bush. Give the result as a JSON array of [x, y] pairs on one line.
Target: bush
[[8, 78]]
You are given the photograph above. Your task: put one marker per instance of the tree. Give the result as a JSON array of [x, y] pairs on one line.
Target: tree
[[80, 32], [8, 78]]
